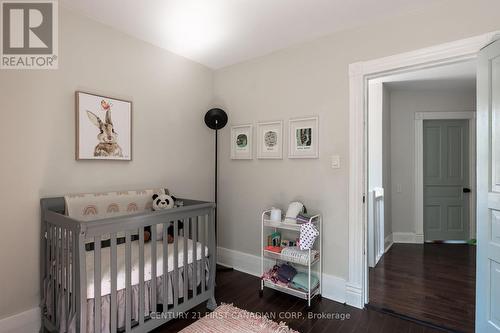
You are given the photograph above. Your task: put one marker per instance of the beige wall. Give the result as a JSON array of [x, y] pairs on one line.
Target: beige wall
[[309, 79], [171, 144]]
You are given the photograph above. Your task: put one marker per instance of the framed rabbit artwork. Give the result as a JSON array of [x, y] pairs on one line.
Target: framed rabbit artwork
[[103, 128]]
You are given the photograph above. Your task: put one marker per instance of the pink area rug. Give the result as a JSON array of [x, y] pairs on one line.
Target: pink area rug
[[230, 319]]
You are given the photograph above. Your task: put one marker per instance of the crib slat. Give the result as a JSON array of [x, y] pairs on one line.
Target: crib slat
[[194, 231], [153, 268], [62, 276], [74, 272], [203, 254], [57, 272], [165, 266], [57, 289], [62, 251], [66, 277], [47, 258], [141, 275], [60, 255], [81, 294], [53, 270], [48, 261], [176, 263], [113, 271], [185, 258], [97, 284], [128, 287], [43, 259], [70, 271]]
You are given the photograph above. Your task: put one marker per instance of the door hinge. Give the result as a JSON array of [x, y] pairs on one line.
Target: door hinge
[[364, 198]]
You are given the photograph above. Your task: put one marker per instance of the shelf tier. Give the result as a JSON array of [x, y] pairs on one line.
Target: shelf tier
[[282, 225], [279, 256], [291, 291]]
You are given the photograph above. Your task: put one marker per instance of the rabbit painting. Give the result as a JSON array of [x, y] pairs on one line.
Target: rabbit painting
[[107, 137]]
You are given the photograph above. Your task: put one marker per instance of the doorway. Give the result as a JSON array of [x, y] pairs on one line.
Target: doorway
[[421, 157], [485, 48]]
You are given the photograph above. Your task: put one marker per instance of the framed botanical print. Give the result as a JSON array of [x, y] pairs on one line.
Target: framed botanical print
[[304, 138], [241, 142], [270, 140], [103, 128]]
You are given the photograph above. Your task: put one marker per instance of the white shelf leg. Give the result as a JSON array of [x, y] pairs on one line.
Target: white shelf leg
[[321, 256], [309, 280], [262, 252]]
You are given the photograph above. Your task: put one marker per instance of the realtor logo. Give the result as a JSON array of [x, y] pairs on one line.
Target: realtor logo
[[29, 34]]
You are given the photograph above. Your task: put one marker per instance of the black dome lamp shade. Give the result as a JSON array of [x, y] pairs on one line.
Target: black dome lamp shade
[[216, 119]]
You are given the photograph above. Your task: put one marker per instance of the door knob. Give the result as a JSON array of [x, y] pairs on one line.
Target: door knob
[[466, 190]]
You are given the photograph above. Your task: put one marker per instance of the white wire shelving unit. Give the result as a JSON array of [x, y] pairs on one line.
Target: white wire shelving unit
[[311, 265]]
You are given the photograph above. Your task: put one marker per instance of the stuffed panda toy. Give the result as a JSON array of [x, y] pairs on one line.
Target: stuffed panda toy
[[163, 201]]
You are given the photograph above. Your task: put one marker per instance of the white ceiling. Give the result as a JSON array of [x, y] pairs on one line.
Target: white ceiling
[[458, 76], [219, 33]]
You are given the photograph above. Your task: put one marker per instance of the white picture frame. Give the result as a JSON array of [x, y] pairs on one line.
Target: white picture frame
[[270, 140], [241, 142], [103, 127], [303, 134]]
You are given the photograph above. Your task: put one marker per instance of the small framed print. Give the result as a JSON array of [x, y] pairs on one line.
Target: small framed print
[[270, 140], [103, 128], [304, 138], [241, 142]]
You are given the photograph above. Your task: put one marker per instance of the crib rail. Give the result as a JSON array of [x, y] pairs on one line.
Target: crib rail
[[65, 260]]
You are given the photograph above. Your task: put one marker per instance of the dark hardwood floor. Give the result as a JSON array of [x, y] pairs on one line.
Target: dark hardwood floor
[[434, 283], [242, 290]]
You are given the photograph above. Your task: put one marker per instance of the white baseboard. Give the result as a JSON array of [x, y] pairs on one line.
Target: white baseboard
[[334, 287], [26, 322], [240, 261], [407, 237], [353, 296], [388, 243], [419, 239]]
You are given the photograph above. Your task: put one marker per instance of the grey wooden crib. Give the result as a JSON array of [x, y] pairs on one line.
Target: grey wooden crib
[[65, 258]]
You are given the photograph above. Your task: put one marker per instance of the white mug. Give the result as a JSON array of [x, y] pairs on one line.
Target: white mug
[[276, 214]]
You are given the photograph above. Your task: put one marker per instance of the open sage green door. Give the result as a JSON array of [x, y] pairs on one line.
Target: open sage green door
[[488, 190]]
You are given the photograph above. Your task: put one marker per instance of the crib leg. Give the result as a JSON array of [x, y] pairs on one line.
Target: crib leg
[[211, 303]]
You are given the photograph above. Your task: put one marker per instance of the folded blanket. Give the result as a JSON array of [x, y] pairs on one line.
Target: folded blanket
[[300, 281], [303, 218], [286, 273]]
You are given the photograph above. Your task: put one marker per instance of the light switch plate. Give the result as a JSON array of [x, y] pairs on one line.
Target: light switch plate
[[335, 162]]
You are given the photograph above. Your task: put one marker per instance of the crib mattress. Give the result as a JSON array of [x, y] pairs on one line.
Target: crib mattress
[[120, 255]]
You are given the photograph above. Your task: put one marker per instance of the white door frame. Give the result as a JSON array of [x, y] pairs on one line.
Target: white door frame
[[419, 167], [359, 74]]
